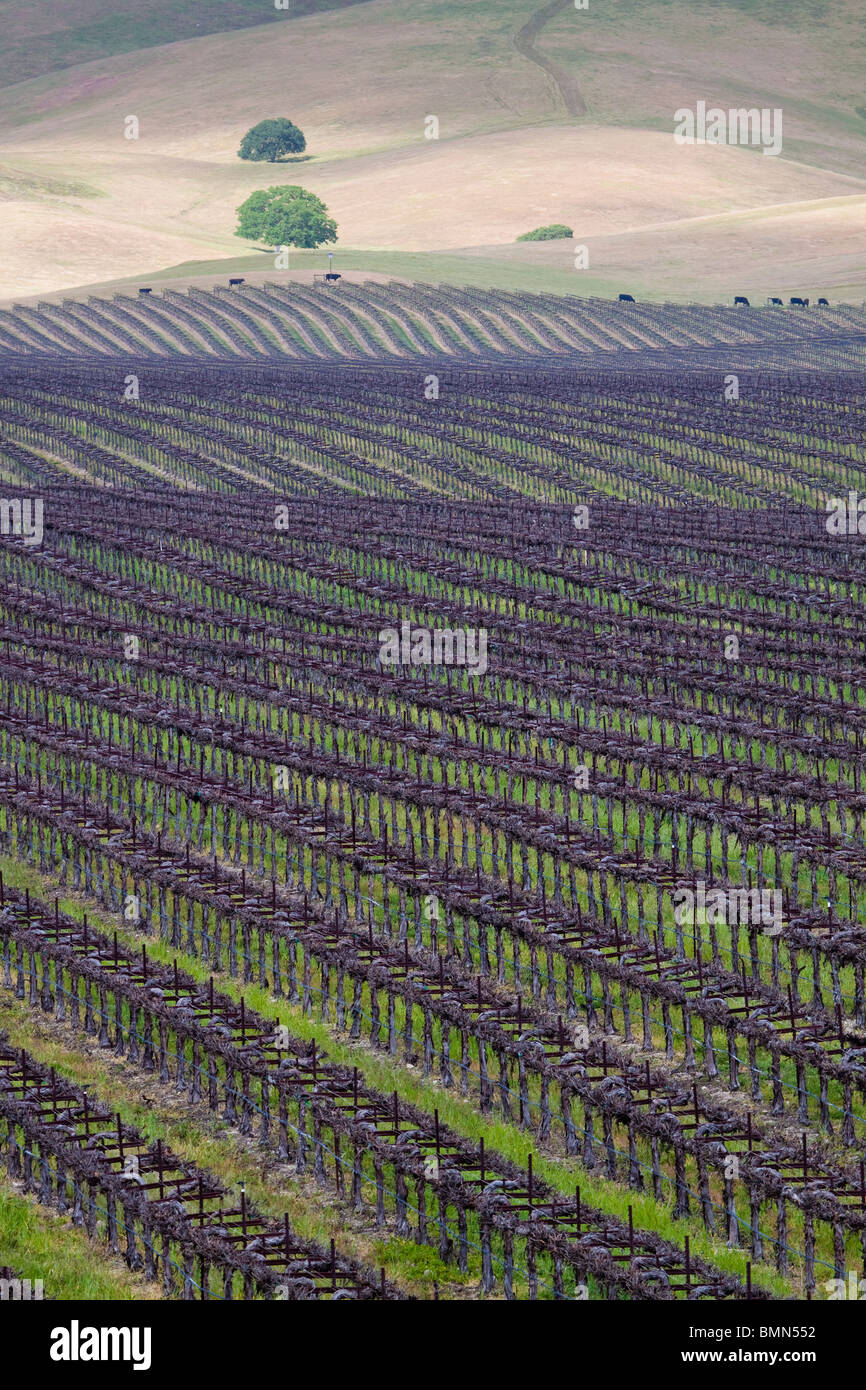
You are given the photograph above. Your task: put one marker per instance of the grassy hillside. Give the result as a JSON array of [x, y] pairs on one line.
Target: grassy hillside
[[364, 77], [636, 63], [84, 205], [42, 39], [706, 261]]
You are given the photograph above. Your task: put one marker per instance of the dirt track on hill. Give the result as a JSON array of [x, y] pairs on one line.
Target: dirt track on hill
[[524, 42]]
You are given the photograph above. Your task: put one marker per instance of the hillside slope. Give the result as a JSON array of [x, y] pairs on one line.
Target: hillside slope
[[545, 113], [39, 40]]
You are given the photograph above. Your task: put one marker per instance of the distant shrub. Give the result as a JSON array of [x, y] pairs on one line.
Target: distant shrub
[[555, 232]]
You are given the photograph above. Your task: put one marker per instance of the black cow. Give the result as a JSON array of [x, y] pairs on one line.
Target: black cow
[[801, 303], [741, 299], [825, 302], [332, 275], [237, 280], [145, 291], [626, 299], [774, 300]]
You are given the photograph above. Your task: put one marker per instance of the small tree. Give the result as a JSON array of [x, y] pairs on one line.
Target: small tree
[[270, 141], [286, 216]]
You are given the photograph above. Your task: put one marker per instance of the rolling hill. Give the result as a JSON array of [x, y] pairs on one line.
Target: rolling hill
[[545, 114]]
